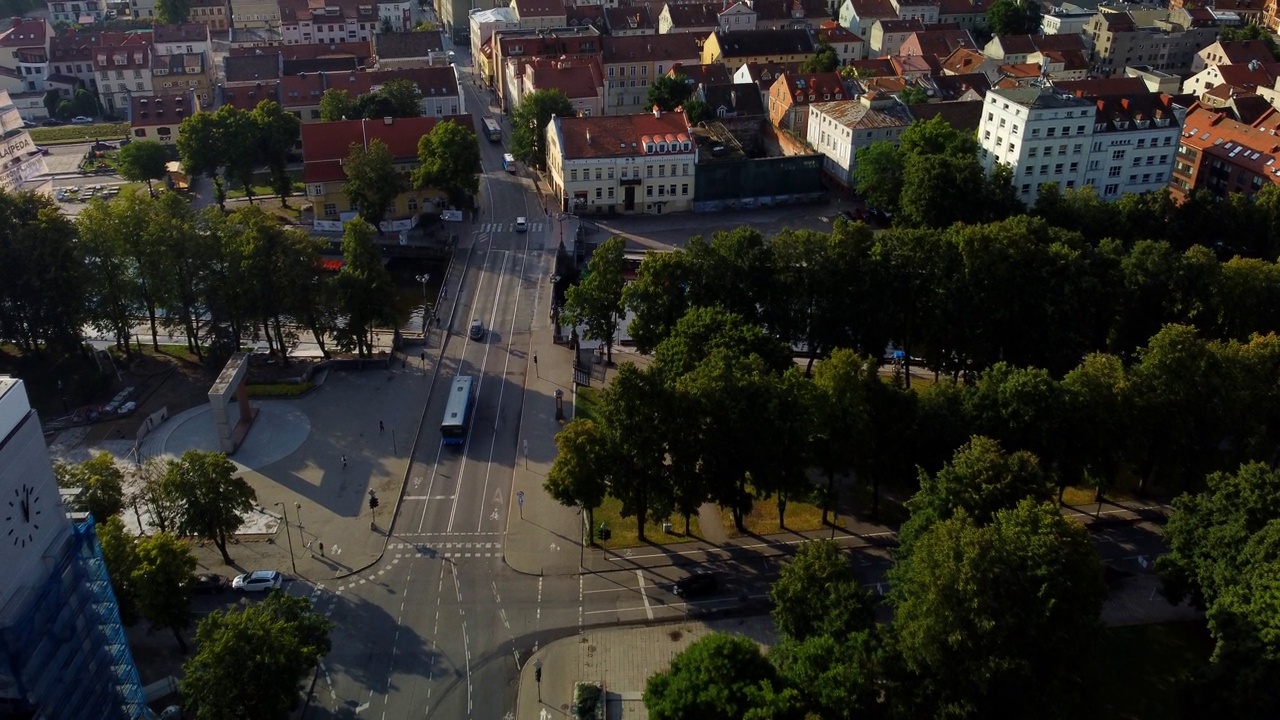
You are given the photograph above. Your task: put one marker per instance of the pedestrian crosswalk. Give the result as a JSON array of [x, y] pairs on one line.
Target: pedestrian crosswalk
[[447, 549], [508, 227]]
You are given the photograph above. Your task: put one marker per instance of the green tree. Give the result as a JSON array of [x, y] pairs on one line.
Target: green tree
[[278, 132], [449, 161], [980, 480], [824, 59], [840, 677], [173, 12], [669, 92], [111, 291], [239, 145], [51, 100], [1013, 17], [843, 437], [704, 331], [583, 469], [363, 287], [913, 95], [42, 275], [85, 103], [337, 104], [634, 412], [877, 175], [373, 182], [529, 125], [696, 110], [101, 484], [938, 190], [997, 620], [143, 160], [231, 676], [66, 110], [212, 499], [1100, 420], [200, 148], [120, 554], [161, 581], [817, 594], [397, 98], [718, 677], [150, 494], [656, 297], [595, 302]]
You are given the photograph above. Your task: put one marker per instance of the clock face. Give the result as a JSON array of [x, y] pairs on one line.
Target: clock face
[[22, 516]]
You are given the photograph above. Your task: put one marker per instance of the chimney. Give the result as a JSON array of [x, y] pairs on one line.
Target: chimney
[[657, 111]]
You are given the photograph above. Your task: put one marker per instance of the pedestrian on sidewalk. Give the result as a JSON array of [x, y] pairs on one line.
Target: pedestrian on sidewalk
[[380, 427], [321, 546], [309, 549], [423, 355], [344, 465]]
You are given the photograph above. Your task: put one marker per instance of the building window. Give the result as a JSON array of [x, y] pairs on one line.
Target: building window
[[1026, 189], [648, 171], [1114, 172], [1062, 149], [610, 175], [1117, 154], [610, 193], [599, 193], [597, 173], [413, 204], [648, 192], [1032, 152], [315, 114], [1028, 170], [573, 176], [1057, 169], [330, 209], [684, 189], [1044, 169], [662, 190], [1110, 189]]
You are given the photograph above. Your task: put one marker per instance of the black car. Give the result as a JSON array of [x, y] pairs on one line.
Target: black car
[[208, 584], [52, 123], [698, 584]]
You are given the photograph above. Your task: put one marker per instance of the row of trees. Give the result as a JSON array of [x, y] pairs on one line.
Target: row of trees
[[235, 143], [996, 600], [933, 179], [215, 278]]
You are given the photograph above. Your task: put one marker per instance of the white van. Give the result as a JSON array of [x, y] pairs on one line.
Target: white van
[[508, 162]]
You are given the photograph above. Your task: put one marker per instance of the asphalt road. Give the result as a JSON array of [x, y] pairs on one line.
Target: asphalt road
[[441, 626]]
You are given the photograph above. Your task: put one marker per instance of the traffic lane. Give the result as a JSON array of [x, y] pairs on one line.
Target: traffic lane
[[438, 471]]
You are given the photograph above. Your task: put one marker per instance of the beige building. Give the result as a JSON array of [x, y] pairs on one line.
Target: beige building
[[631, 64], [256, 13], [213, 13], [1162, 40], [538, 14], [736, 49], [632, 164]]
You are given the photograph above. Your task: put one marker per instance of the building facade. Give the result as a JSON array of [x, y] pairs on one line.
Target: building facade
[[631, 64], [838, 129], [1118, 145], [77, 12], [1167, 42], [62, 648], [1223, 156], [631, 164]]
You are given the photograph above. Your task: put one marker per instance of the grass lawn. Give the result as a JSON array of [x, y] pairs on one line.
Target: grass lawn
[[1142, 667], [763, 519], [263, 191], [586, 404], [66, 134], [624, 529]]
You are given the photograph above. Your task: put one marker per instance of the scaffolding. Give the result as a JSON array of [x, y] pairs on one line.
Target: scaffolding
[[68, 645]]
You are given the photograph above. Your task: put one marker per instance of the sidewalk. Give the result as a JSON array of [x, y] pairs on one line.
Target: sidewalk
[[620, 660]]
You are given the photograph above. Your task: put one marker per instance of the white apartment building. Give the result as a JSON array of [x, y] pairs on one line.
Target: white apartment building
[[633, 164], [85, 12], [838, 129], [1118, 145], [1061, 22]]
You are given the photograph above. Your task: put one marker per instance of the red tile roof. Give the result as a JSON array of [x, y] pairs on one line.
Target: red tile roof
[[801, 87], [1254, 147], [24, 32], [1094, 87], [310, 51], [1242, 51], [619, 135], [326, 145], [159, 110], [656, 48], [1249, 76], [539, 8]]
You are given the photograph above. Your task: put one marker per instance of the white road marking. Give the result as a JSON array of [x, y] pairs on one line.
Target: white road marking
[[640, 585]]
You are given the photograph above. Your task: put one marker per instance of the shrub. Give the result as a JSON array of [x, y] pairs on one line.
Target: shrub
[[280, 389]]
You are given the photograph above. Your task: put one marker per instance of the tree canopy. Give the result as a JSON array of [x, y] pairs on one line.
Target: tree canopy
[[669, 92], [529, 125], [143, 160], [595, 301], [101, 485], [718, 677], [372, 180], [449, 158], [212, 499]]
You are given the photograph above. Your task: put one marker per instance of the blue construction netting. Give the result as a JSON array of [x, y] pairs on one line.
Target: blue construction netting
[[68, 646]]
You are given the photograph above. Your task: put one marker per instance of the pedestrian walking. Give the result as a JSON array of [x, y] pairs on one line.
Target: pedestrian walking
[[309, 549], [380, 427], [321, 546], [344, 467]]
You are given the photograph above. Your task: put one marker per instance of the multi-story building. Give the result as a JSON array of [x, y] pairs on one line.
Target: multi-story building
[[123, 65], [793, 93], [255, 14], [513, 48], [1062, 22], [848, 47], [20, 160], [325, 146], [400, 50], [580, 80], [63, 653], [837, 129], [700, 17], [212, 13], [1242, 77], [793, 14], [396, 15], [539, 14], [1232, 52], [159, 117], [24, 49], [177, 39], [968, 14], [484, 23], [77, 12], [736, 49], [631, 64], [300, 94], [454, 16], [301, 22], [629, 20], [887, 36], [1118, 145], [181, 74], [1223, 156], [1163, 40], [142, 9], [633, 164], [926, 11], [859, 16]]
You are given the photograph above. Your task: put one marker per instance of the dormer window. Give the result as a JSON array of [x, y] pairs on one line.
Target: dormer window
[[648, 148], [662, 147]]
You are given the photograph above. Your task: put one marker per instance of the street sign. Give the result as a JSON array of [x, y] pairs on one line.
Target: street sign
[[520, 498]]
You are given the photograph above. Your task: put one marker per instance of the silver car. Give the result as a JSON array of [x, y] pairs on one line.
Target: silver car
[[258, 581]]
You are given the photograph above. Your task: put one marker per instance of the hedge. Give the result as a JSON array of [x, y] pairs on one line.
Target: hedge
[[73, 133], [280, 389]]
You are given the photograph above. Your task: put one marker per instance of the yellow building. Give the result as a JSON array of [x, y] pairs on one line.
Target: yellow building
[[736, 49], [326, 145]]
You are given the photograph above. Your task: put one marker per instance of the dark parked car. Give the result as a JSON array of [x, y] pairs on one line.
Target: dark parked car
[[208, 584], [52, 123], [698, 584]]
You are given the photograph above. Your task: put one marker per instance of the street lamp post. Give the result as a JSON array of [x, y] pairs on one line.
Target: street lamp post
[[297, 507], [424, 278], [285, 514]]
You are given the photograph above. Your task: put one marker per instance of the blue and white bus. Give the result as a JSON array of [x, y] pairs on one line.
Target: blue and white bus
[[457, 412]]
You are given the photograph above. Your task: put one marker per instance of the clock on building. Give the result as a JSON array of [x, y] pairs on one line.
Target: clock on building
[[22, 516]]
